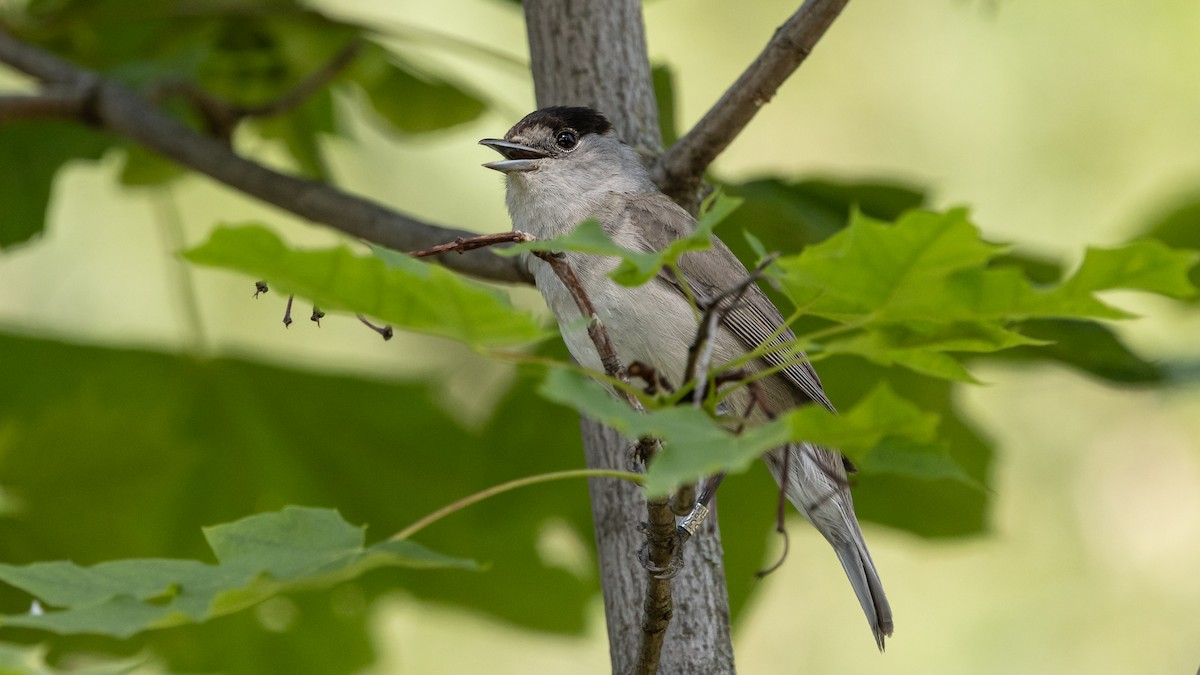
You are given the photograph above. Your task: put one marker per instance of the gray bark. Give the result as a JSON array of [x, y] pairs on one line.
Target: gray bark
[[698, 639], [593, 52]]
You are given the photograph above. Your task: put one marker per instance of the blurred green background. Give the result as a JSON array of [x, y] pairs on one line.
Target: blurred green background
[[1061, 124]]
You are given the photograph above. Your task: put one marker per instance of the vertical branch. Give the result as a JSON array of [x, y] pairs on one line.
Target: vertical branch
[[593, 52]]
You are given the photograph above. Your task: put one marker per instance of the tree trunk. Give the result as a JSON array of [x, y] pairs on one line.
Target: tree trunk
[[698, 638], [593, 52]]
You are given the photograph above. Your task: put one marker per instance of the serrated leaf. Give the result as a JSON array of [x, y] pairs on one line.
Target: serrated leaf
[[934, 268], [880, 414], [922, 348], [696, 445], [1146, 265], [410, 294], [635, 267], [788, 215], [257, 557]]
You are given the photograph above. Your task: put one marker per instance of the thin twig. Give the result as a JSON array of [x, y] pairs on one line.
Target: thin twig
[[109, 105], [506, 487], [701, 350], [464, 244], [596, 330], [679, 170]]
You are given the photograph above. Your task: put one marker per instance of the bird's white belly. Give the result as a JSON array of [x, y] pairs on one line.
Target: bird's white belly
[[651, 323]]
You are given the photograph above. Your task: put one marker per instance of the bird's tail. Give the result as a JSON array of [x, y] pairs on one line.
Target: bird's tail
[[817, 486]]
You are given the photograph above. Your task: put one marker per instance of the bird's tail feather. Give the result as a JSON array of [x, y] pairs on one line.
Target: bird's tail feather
[[817, 486]]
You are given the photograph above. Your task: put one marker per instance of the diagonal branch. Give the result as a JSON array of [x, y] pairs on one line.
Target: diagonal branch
[[50, 104], [680, 169], [111, 106]]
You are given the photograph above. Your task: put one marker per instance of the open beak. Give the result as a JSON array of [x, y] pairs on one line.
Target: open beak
[[517, 157]]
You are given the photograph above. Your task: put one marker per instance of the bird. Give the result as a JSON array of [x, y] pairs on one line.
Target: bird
[[564, 165]]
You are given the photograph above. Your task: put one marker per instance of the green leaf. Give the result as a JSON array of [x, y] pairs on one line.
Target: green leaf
[[787, 216], [1089, 346], [31, 153], [912, 459], [257, 557], [144, 168], [879, 414], [636, 267], [696, 445], [410, 294], [149, 435], [922, 348], [929, 506], [1179, 227], [1146, 265], [934, 268], [411, 102]]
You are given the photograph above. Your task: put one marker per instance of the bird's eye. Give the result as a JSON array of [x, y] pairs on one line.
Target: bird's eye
[[566, 139]]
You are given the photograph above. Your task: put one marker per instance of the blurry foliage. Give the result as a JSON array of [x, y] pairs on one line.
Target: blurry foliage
[[110, 454], [241, 54], [122, 453]]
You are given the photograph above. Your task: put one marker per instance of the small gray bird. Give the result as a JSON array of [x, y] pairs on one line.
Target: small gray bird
[[565, 165]]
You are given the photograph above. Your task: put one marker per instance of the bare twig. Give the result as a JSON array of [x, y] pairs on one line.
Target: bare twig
[[464, 244], [701, 350], [596, 330], [109, 105], [679, 170]]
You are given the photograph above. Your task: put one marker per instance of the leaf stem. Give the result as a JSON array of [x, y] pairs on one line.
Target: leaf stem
[[509, 486]]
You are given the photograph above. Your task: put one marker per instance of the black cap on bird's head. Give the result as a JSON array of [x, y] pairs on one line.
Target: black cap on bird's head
[[580, 119], [548, 132]]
